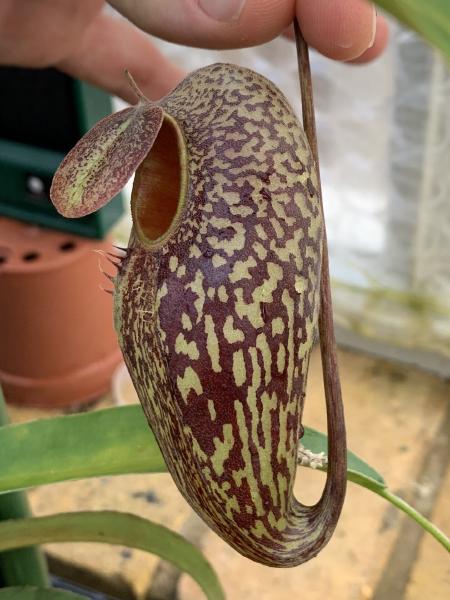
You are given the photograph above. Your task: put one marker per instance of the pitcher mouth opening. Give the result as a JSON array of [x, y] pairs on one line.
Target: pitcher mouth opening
[[160, 186]]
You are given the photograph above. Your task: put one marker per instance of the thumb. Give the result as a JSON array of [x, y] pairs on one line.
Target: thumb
[[340, 29], [214, 24]]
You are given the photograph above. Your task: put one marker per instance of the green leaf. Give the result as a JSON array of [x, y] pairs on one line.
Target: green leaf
[[358, 471], [35, 593], [105, 442], [361, 473], [112, 441], [101, 163], [114, 528], [430, 18], [118, 440]]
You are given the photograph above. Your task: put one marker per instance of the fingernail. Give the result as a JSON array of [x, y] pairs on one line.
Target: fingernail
[[222, 10], [374, 27]]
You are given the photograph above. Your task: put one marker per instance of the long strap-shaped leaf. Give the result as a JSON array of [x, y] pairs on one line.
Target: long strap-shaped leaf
[[114, 528], [117, 440], [112, 441], [430, 18], [104, 442]]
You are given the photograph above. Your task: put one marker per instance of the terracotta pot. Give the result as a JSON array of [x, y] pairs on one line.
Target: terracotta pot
[[57, 342]]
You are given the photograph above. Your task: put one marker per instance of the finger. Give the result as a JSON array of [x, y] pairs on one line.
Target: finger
[[381, 40], [37, 34], [109, 46], [341, 29], [214, 24]]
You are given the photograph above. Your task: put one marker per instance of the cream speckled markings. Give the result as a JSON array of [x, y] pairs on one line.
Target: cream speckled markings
[[221, 365], [216, 300]]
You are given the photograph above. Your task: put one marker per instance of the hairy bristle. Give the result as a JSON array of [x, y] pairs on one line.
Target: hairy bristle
[[111, 292]]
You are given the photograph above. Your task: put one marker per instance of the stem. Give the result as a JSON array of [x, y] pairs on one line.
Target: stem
[[26, 566], [337, 450], [414, 514], [134, 86]]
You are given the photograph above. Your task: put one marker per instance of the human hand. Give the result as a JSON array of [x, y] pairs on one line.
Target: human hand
[[77, 37]]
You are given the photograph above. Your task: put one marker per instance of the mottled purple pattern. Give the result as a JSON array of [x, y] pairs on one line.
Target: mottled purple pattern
[[101, 163], [225, 404]]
